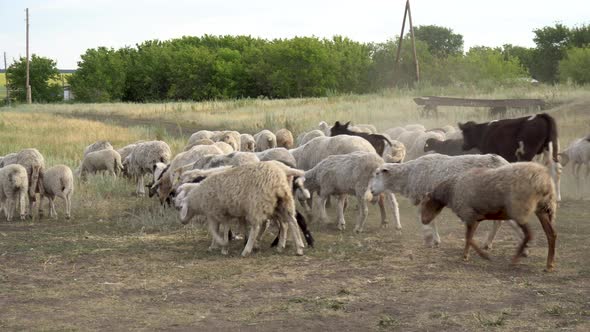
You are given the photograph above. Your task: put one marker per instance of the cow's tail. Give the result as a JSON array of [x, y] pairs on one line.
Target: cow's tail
[[552, 142]]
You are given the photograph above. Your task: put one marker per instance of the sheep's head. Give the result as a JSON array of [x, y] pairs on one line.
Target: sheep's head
[[340, 129], [471, 134], [429, 145], [386, 177], [563, 158], [429, 209], [299, 189]]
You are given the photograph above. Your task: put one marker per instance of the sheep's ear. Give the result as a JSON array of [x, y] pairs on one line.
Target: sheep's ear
[[337, 124], [461, 125], [347, 124]]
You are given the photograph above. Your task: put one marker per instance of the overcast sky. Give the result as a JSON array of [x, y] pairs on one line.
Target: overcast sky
[[64, 29]]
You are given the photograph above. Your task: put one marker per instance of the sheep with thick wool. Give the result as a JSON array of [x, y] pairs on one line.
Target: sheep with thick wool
[[202, 141], [319, 148], [247, 143], [348, 174], [230, 137], [415, 179], [250, 194], [58, 181], [513, 191], [231, 159], [265, 140], [164, 175], [308, 136], [107, 160], [14, 185], [278, 154], [284, 138], [97, 146], [143, 159], [34, 163]]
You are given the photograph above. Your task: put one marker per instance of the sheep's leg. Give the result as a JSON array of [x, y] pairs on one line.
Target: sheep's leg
[[52, 211], [140, 186], [68, 201], [492, 235], [381, 201], [340, 213], [322, 209], [225, 231], [254, 229], [363, 212], [551, 234], [22, 205], [390, 198], [469, 242], [429, 231], [283, 229], [527, 237], [263, 230], [294, 229]]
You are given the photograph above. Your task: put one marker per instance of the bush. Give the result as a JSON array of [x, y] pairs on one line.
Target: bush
[[575, 66]]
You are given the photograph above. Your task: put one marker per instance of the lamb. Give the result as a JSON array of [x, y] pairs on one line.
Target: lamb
[[306, 137], [97, 146], [164, 174], [14, 185], [249, 193], [10, 156], [202, 134], [103, 160], [202, 141], [348, 174], [378, 141], [58, 181], [248, 144], [144, 158], [416, 178], [319, 148], [449, 147], [512, 191], [265, 140], [284, 138], [578, 153], [278, 154], [34, 163]]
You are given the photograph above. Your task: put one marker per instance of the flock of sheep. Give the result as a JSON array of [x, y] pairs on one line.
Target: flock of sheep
[[242, 184]]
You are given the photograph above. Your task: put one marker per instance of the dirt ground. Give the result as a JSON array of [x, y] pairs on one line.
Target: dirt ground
[[113, 274]]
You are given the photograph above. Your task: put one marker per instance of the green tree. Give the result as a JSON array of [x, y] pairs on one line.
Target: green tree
[[101, 75], [575, 66], [441, 41], [43, 77], [551, 43]]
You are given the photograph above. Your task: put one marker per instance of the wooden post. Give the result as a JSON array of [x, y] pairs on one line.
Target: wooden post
[[401, 37], [28, 85], [6, 76], [413, 41]]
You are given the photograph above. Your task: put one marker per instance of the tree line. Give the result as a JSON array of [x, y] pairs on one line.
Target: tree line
[[227, 67]]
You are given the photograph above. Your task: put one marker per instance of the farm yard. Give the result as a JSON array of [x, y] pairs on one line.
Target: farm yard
[[125, 262]]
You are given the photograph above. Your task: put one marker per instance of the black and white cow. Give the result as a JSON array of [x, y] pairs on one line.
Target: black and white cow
[[519, 139]]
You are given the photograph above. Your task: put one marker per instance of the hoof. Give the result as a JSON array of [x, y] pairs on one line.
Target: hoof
[[341, 227], [299, 252], [486, 257], [385, 225], [224, 251], [549, 269], [487, 246], [465, 258], [68, 217], [279, 249], [526, 252], [358, 230]]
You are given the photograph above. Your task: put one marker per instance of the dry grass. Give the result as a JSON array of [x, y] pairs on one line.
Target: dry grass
[[127, 263]]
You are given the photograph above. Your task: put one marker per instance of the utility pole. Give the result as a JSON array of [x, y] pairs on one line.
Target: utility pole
[[28, 85], [407, 13], [6, 75]]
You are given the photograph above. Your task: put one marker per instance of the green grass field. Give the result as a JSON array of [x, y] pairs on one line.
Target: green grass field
[[125, 262]]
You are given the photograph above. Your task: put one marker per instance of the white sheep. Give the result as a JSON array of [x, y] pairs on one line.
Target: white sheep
[[201, 134], [278, 154], [348, 174], [97, 146], [393, 133], [164, 175], [143, 159], [248, 144], [98, 161], [415, 127], [224, 147], [394, 152], [416, 149], [202, 141], [578, 153], [319, 148], [230, 137], [58, 181], [284, 138], [34, 162], [265, 140], [308, 136], [250, 194], [14, 185], [125, 151], [8, 157], [360, 128], [231, 159], [414, 179], [511, 191]]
